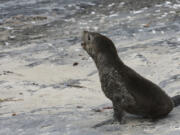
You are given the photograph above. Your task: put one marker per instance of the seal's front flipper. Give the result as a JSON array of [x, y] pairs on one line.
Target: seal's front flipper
[[107, 122]]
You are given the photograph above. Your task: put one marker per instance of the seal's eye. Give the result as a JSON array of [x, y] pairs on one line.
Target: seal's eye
[[89, 37]]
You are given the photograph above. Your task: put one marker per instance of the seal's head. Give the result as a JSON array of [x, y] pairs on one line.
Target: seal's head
[[95, 44]]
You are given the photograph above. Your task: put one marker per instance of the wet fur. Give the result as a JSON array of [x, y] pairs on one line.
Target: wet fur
[[128, 91]]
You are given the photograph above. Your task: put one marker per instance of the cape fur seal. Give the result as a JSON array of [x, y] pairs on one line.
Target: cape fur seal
[[128, 91]]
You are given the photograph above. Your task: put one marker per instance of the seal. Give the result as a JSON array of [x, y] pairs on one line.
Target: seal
[[128, 90]]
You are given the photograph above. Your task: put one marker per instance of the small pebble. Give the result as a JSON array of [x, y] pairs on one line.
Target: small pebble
[[108, 107], [13, 114], [146, 25], [97, 110], [20, 93], [75, 63], [79, 107]]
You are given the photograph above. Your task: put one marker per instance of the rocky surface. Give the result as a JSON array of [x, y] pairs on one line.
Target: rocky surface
[[49, 85]]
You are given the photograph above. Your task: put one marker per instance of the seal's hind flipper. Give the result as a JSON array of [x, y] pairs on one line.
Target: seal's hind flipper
[[176, 100]]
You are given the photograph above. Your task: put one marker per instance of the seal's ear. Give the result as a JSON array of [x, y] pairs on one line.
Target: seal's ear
[[90, 37]]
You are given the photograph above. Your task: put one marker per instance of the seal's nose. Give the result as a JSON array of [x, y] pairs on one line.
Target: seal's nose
[[85, 31], [83, 38], [83, 35]]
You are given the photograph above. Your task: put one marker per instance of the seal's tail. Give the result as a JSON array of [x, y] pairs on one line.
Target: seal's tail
[[176, 100]]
